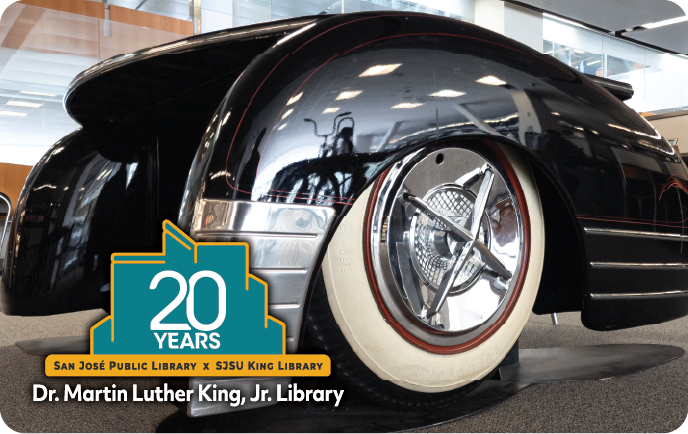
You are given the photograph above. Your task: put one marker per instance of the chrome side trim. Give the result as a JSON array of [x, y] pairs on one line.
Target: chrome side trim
[[8, 219], [636, 234], [640, 295], [284, 243], [644, 266], [280, 270], [259, 234], [284, 306], [247, 386]]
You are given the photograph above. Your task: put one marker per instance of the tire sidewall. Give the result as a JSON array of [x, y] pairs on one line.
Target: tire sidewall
[[380, 347]]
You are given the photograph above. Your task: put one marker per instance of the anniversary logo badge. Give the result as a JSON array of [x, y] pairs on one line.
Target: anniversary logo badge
[[191, 310]]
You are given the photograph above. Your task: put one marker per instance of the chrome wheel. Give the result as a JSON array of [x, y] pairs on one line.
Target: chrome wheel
[[446, 244]]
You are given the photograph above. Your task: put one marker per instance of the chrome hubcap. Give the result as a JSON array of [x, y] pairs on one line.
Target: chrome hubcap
[[446, 244]]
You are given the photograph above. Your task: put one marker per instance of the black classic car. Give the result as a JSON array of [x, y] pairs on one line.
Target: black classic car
[[412, 187]]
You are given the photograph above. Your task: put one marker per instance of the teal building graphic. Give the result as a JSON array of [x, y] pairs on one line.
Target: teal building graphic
[[193, 298]]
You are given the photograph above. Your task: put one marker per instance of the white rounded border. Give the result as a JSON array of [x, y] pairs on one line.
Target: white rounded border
[[380, 346]]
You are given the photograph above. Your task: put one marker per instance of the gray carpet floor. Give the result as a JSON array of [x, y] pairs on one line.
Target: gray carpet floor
[[655, 400]]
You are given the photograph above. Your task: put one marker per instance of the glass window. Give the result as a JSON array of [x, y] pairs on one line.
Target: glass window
[[211, 15], [41, 51], [660, 80]]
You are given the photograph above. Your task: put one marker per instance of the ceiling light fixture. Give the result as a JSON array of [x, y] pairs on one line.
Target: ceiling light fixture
[[26, 92], [7, 113], [380, 70], [447, 93], [287, 113], [491, 80], [24, 104], [564, 20], [665, 22], [348, 94], [407, 105], [330, 110]]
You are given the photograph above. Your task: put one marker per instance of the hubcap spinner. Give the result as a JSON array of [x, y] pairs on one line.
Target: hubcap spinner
[[433, 248]]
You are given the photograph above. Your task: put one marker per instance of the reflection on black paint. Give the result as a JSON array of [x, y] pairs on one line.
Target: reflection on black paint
[[328, 177], [339, 141], [453, 80], [69, 222]]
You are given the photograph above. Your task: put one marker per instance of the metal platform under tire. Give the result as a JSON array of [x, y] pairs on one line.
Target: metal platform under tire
[[59, 345], [358, 414]]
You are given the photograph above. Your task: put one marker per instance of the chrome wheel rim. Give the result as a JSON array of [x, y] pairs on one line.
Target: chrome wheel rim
[[444, 275]]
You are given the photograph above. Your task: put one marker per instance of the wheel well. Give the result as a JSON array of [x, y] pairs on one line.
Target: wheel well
[[562, 285], [563, 281]]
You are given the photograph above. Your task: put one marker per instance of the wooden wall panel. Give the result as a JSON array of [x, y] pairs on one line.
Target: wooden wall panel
[[28, 26], [118, 14], [79, 7], [674, 127], [12, 178]]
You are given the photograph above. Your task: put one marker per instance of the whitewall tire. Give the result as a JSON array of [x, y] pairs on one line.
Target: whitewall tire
[[396, 353]]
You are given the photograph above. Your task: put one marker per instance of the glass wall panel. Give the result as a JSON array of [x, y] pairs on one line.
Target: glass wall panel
[[660, 81], [222, 14], [41, 51], [178, 9]]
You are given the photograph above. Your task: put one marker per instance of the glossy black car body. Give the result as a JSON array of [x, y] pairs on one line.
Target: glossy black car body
[[295, 112]]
